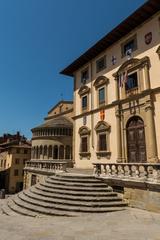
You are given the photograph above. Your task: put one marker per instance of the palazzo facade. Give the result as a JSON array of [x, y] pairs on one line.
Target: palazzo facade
[[117, 93]]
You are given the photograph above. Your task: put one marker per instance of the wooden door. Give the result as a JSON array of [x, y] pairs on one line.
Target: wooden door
[[136, 146]]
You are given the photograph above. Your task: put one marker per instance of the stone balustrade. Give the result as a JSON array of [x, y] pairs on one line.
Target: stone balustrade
[[45, 166], [146, 172]]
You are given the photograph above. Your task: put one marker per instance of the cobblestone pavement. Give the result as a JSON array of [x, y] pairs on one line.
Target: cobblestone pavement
[[131, 224]]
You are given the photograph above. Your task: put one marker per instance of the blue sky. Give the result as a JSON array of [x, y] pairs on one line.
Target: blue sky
[[38, 38]]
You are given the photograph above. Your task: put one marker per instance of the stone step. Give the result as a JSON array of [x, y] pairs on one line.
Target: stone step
[[76, 188], [76, 184], [40, 210], [7, 210], [70, 179], [72, 193], [71, 202], [14, 208], [65, 207], [75, 175], [94, 198]]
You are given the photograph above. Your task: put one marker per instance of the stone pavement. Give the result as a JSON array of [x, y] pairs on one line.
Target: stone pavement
[[131, 224]]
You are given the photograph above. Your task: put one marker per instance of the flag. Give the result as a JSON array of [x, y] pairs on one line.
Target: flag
[[123, 78]]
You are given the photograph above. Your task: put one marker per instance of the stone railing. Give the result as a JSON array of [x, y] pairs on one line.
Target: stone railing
[[46, 166], [146, 172]]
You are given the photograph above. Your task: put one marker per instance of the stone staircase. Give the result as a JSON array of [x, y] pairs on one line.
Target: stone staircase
[[64, 194]]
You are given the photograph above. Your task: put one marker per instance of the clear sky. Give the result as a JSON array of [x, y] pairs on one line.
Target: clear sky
[[38, 38]]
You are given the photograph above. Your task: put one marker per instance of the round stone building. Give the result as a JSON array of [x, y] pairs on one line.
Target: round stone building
[[51, 144]]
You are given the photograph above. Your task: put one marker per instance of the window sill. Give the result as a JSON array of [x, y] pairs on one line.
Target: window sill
[[85, 155], [106, 154]]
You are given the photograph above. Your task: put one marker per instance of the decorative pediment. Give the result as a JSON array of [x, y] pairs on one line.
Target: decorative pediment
[[132, 64], [84, 131], [102, 126], [83, 90], [101, 80], [158, 51]]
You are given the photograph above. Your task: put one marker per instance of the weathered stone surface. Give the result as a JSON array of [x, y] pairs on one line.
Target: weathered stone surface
[[132, 224]]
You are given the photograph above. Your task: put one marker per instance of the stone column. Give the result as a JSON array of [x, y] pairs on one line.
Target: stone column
[[119, 135], [146, 75], [64, 152], [117, 87], [151, 141]]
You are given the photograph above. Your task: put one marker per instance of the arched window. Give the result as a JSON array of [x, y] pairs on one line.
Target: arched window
[[55, 152], [45, 150], [68, 152], [50, 151], [41, 150], [36, 153], [61, 152]]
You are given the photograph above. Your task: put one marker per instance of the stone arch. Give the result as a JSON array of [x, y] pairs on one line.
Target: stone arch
[[45, 150], [61, 152], [101, 80], [132, 63], [50, 151], [135, 134], [41, 150], [55, 152], [84, 130], [68, 152], [83, 90]]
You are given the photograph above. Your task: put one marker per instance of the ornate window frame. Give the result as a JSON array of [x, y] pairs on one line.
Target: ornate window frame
[[101, 82], [132, 38], [141, 66], [103, 127], [84, 91], [84, 132]]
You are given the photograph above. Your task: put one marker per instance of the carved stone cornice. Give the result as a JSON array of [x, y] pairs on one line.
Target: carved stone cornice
[[83, 90], [102, 126], [84, 131], [85, 155], [132, 64], [100, 81]]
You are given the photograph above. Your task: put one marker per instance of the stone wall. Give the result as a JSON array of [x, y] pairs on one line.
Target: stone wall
[[143, 199]]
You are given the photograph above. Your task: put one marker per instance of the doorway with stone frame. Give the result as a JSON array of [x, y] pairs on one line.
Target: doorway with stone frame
[[136, 144]]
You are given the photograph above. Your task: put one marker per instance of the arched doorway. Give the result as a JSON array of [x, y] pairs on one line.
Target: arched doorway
[[136, 146]]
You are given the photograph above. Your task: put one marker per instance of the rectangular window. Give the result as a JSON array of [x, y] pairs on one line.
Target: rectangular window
[[101, 64], [17, 161], [84, 103], [132, 82], [84, 144], [129, 46], [102, 142], [101, 96], [16, 172], [84, 76]]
